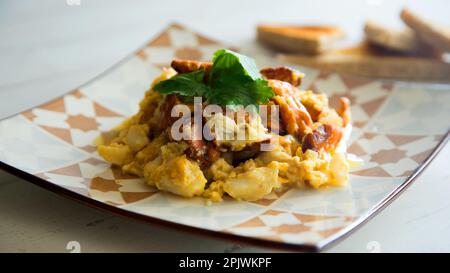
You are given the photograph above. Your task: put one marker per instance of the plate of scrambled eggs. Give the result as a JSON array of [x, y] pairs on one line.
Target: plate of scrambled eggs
[[188, 133]]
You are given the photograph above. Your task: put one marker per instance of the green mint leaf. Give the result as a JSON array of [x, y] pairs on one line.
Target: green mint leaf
[[240, 91], [263, 91], [234, 79], [226, 59], [187, 84]]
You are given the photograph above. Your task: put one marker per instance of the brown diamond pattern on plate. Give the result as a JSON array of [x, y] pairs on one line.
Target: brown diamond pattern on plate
[[142, 55], [71, 170], [391, 155], [369, 135], [162, 40], [359, 124], [89, 148], [188, 53], [105, 181], [63, 134], [254, 222], [298, 228], [55, 106], [131, 197], [272, 227], [356, 149], [268, 200], [29, 115], [177, 26], [375, 171], [419, 158], [60, 124], [102, 111], [305, 218], [388, 156], [402, 139], [330, 232], [353, 82], [407, 173], [82, 122], [94, 161], [324, 74], [372, 107], [104, 185], [77, 94]]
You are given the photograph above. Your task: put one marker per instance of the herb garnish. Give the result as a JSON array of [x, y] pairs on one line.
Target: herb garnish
[[234, 79]]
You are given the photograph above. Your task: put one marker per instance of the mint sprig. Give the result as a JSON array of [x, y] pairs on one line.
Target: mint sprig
[[234, 79]]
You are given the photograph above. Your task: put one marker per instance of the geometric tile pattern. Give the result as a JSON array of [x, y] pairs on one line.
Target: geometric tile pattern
[[412, 110], [387, 155], [395, 127], [176, 42], [31, 149], [286, 226], [358, 197], [97, 179], [366, 96], [195, 211], [75, 119]]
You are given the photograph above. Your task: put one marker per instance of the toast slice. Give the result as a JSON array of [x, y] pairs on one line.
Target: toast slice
[[299, 39], [403, 41], [365, 60], [435, 35]]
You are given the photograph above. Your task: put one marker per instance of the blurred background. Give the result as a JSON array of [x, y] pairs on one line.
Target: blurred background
[[49, 47]]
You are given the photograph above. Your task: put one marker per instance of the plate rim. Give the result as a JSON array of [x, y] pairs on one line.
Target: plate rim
[[218, 234]]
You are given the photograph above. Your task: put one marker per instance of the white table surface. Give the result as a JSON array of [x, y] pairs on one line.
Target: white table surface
[[49, 47]]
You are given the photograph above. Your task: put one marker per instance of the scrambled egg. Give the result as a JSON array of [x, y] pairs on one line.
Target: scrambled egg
[[140, 146], [226, 129]]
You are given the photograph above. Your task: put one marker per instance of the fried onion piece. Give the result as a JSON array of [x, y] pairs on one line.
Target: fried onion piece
[[293, 113], [344, 110], [166, 109], [325, 137], [205, 153], [271, 119], [186, 66], [200, 150], [283, 73]]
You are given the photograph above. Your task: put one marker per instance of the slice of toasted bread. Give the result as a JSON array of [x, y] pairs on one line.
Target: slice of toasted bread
[[299, 39], [399, 41], [431, 33], [364, 60], [404, 41]]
